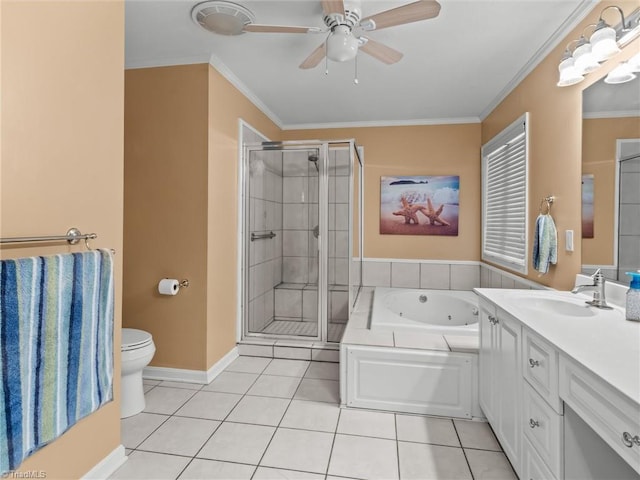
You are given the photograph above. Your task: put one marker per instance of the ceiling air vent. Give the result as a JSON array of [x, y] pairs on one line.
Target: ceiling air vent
[[224, 18]]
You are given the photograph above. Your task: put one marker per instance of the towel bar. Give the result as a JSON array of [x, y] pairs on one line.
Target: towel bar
[[73, 236]]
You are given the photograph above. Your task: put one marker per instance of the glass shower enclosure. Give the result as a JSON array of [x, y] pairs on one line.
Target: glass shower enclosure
[[301, 238]]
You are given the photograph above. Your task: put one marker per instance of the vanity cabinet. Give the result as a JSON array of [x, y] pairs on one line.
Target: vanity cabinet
[[500, 379], [614, 417], [532, 390]]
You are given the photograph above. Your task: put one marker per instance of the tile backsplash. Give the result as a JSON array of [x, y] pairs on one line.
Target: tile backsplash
[[438, 275]]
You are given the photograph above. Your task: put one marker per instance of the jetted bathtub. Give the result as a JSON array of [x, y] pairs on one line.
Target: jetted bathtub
[[405, 376], [443, 312]]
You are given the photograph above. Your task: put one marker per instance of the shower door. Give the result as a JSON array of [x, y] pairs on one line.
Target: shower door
[[282, 221], [298, 227]]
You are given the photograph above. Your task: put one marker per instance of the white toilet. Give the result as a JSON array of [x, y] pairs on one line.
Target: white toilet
[[137, 351]]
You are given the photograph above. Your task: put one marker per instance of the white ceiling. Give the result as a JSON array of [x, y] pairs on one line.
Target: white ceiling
[[456, 67]]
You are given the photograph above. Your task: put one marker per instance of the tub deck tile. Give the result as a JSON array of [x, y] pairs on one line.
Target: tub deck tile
[[368, 337], [463, 343], [422, 341]]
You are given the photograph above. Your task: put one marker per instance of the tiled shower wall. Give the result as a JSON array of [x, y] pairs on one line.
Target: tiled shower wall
[[338, 235], [300, 215], [297, 297], [265, 256], [629, 238]]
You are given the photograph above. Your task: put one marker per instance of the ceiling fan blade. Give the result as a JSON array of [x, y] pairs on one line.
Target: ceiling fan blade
[[315, 58], [413, 12], [279, 29], [333, 6], [381, 52]]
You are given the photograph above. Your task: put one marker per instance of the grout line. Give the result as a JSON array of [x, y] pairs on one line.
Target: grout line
[[333, 442], [462, 447], [154, 430], [277, 426], [395, 425], [229, 413]]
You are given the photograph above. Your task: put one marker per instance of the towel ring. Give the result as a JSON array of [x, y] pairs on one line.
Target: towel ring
[[546, 201]]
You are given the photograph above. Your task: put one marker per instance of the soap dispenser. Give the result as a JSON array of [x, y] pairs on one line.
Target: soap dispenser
[[633, 297]]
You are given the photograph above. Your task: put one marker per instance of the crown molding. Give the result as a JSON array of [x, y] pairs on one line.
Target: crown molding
[[167, 62], [618, 114], [223, 70], [382, 123], [580, 12]]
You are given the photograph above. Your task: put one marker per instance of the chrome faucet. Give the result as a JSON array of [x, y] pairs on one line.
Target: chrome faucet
[[597, 287]]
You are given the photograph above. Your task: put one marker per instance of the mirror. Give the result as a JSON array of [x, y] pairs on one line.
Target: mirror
[[611, 179]]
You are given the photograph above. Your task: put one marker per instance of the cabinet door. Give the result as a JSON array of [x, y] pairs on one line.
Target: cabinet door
[[486, 360], [508, 385]]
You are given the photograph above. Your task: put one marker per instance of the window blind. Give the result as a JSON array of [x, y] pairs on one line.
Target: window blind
[[504, 197]]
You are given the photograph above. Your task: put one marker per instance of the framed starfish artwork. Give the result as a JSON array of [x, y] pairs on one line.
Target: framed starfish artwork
[[419, 205]]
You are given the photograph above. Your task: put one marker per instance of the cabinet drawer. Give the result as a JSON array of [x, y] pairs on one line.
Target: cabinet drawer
[[609, 413], [543, 427], [540, 368], [533, 467]]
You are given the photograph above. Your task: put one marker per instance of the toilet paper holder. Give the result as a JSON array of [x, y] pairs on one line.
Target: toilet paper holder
[[171, 286]]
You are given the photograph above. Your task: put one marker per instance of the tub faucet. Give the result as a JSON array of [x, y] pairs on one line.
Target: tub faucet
[[597, 287]]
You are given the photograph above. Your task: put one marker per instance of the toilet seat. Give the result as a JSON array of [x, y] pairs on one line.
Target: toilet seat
[[134, 339]]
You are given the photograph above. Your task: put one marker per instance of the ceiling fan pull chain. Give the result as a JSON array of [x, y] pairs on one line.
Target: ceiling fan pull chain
[[326, 58], [355, 79]]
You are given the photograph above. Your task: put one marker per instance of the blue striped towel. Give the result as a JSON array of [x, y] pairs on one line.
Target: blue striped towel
[[56, 347], [545, 243]]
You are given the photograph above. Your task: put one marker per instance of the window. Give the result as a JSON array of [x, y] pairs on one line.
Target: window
[[504, 197]]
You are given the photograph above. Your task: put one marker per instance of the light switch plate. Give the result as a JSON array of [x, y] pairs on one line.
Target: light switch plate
[[568, 240]]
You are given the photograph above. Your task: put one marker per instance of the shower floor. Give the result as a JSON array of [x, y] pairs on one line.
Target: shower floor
[[306, 329]]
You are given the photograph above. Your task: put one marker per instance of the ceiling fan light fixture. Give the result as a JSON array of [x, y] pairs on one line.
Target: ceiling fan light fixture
[[221, 17], [341, 44]]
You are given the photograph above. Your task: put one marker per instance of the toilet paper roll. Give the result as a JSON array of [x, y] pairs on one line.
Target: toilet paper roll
[[168, 286]]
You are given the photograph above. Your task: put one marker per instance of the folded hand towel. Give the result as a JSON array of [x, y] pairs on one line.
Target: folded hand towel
[[56, 347], [545, 243]]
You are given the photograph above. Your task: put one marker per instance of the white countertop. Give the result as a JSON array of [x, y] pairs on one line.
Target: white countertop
[[606, 343]]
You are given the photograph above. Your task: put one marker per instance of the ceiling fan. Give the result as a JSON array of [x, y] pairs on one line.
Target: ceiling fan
[[343, 23]]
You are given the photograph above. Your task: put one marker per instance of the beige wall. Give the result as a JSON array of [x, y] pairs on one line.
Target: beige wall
[[416, 150], [599, 137], [555, 129], [165, 221], [181, 163], [62, 164]]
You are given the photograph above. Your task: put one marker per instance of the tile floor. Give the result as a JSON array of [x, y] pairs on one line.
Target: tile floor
[[268, 419]]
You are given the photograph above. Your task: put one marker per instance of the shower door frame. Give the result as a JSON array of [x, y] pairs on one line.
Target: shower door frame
[[323, 148]]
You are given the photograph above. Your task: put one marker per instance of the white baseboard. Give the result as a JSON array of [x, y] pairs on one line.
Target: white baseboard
[[108, 465], [191, 376]]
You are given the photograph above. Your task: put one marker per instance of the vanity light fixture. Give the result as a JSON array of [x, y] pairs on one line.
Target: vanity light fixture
[[603, 39], [621, 74], [634, 63], [569, 74], [583, 57], [604, 43]]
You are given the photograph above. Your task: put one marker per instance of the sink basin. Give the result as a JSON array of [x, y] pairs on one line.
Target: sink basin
[[560, 307], [554, 305]]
